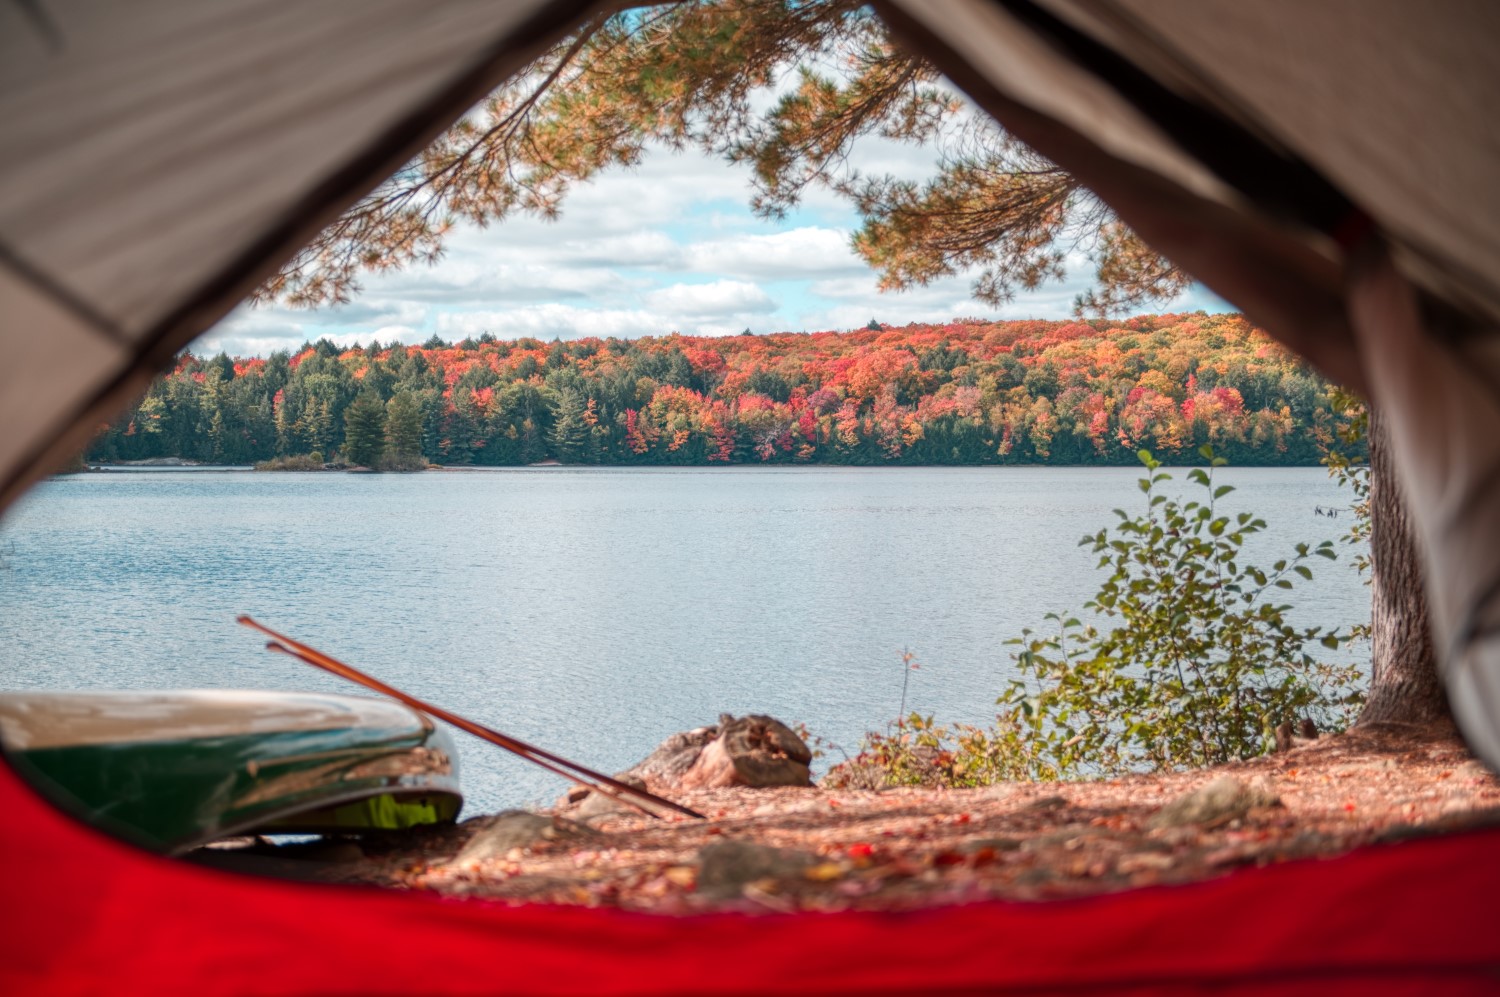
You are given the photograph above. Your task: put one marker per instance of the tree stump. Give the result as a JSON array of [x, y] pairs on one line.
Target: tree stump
[[754, 751]]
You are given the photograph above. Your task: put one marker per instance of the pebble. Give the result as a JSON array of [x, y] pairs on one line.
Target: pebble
[[1218, 802], [513, 830], [725, 868]]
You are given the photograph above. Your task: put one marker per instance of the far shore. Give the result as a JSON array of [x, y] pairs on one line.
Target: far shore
[[167, 464]]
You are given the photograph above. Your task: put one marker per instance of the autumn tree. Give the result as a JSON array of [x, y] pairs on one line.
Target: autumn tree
[[694, 73]]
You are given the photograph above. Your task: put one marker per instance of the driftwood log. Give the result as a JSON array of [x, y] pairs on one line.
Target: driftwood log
[[754, 750]]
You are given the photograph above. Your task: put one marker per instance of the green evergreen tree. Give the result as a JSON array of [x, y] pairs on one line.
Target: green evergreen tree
[[570, 433], [364, 430], [403, 433]]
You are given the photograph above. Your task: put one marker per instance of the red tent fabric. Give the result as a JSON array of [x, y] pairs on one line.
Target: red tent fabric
[[85, 914]]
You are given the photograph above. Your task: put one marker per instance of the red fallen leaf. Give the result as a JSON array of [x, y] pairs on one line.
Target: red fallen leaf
[[902, 867], [834, 803], [947, 858], [1349, 807], [962, 819], [983, 857], [861, 850]]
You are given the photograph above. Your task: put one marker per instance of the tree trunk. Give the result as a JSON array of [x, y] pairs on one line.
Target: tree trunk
[[1404, 681]]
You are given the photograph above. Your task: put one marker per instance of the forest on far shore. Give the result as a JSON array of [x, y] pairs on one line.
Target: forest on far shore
[[968, 392]]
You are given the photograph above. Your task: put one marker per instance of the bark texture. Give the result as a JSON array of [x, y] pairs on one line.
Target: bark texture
[[1404, 681], [753, 751]]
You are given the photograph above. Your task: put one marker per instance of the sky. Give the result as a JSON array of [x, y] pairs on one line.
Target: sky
[[668, 246]]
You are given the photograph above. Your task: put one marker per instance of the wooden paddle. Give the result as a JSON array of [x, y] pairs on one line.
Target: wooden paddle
[[556, 764]]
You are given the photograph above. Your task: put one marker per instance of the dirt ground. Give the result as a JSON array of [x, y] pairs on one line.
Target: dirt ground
[[815, 849]]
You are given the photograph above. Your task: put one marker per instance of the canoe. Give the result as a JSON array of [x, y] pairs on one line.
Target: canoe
[[172, 770]]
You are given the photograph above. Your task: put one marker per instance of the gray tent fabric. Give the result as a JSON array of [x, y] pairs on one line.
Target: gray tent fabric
[[159, 159], [1363, 231]]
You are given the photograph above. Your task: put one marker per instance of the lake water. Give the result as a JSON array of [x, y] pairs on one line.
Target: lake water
[[591, 611]]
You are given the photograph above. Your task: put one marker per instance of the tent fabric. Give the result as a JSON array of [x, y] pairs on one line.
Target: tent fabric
[[159, 159], [1391, 101], [1450, 440], [87, 914]]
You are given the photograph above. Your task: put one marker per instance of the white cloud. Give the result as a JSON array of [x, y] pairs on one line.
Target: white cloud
[[800, 253], [707, 301], [552, 321], [670, 245]]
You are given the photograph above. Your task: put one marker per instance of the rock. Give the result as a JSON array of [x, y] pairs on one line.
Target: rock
[[1472, 769], [592, 804], [518, 829], [1047, 803], [753, 750], [665, 767], [993, 844], [1218, 802], [725, 868]]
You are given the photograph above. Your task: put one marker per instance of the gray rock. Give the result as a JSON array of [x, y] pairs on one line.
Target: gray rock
[[1047, 803], [665, 767], [594, 804], [725, 868], [994, 844], [1473, 769], [1218, 802], [518, 829]]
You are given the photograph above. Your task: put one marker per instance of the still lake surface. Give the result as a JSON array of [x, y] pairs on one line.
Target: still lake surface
[[593, 611]]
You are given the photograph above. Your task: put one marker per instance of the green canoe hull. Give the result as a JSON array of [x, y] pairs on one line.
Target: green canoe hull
[[174, 770]]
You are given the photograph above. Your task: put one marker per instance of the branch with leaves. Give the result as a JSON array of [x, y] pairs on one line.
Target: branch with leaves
[[699, 74]]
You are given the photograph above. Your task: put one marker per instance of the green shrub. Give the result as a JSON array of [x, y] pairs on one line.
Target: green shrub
[[1198, 668], [1200, 665], [922, 753], [294, 462]]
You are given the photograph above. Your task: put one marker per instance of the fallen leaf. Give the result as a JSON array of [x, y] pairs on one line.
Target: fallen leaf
[[823, 872]]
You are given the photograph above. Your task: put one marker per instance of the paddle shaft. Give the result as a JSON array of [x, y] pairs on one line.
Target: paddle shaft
[[553, 763]]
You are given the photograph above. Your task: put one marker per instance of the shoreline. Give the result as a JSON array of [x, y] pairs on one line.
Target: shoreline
[[783, 850], [184, 465]]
